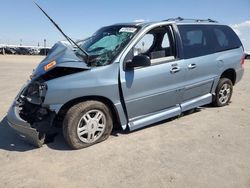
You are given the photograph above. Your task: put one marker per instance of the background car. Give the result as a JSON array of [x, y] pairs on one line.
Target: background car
[[10, 50], [247, 55], [22, 51], [44, 51]]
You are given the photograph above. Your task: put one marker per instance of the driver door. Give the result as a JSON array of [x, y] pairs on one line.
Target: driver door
[[149, 90]]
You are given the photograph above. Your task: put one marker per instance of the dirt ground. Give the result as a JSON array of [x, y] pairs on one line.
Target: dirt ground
[[208, 148]]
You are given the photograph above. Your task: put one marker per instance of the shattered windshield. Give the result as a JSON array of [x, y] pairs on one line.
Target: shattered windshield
[[106, 44]]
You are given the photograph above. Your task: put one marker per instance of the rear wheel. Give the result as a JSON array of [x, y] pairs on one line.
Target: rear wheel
[[87, 123], [223, 92]]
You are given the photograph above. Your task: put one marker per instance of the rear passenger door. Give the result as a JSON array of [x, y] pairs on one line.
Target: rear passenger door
[[201, 64]]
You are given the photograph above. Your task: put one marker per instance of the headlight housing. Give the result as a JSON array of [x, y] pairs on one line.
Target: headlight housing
[[35, 92]]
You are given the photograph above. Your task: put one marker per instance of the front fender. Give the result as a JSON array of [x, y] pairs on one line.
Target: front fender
[[98, 81]]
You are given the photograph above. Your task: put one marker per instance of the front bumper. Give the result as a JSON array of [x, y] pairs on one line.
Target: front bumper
[[23, 128], [29, 117]]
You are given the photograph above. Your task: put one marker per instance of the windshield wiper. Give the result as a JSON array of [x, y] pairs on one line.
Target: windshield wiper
[[72, 42]]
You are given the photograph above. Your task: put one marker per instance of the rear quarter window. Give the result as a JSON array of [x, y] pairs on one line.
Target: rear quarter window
[[225, 38], [199, 40]]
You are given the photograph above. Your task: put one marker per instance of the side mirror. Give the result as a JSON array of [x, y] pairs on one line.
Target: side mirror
[[138, 61]]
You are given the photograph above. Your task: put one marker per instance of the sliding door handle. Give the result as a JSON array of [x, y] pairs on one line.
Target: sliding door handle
[[175, 69], [192, 66]]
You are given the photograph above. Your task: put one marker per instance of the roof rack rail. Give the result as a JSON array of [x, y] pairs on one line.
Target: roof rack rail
[[189, 19]]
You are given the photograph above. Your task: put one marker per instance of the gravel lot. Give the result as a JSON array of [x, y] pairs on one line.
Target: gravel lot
[[208, 148]]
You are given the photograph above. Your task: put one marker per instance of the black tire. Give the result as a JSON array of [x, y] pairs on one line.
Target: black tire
[[218, 98], [75, 115]]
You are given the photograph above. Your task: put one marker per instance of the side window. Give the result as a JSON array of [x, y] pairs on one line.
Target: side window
[[195, 40], [144, 44], [194, 37], [221, 38], [157, 44], [225, 38], [165, 41]]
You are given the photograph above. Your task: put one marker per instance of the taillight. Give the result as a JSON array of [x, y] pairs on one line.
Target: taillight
[[242, 61]]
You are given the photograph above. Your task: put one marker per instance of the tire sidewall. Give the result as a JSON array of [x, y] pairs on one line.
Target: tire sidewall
[[223, 81], [70, 123]]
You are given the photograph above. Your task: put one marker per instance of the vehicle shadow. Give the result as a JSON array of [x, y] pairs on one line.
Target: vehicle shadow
[[11, 141], [212, 106], [58, 142], [118, 132]]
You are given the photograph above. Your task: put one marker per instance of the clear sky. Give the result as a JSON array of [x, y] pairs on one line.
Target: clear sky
[[22, 21]]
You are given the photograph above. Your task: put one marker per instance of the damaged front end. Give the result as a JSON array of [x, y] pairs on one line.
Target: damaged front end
[[28, 116]]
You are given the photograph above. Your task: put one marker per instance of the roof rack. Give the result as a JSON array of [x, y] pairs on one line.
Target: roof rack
[[188, 19]]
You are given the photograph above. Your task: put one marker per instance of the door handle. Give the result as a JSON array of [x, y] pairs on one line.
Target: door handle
[[191, 66], [175, 69]]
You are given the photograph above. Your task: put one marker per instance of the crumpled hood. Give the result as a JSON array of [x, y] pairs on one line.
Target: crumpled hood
[[62, 53]]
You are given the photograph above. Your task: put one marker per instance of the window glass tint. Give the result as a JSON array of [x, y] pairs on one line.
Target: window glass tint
[[194, 39], [201, 40], [225, 38], [165, 41], [221, 38]]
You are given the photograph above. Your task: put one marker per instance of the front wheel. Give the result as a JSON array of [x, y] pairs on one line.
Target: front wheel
[[223, 92], [87, 123]]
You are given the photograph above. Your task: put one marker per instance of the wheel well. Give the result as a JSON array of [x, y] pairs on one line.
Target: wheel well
[[230, 74], [116, 121]]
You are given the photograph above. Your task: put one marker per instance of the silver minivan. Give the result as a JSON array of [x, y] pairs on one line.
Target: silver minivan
[[128, 75]]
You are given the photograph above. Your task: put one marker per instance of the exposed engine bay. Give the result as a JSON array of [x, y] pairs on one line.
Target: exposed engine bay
[[30, 107]]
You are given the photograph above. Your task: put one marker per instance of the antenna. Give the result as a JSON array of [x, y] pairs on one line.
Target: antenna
[[68, 38]]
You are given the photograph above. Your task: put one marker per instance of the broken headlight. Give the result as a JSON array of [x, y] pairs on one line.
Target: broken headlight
[[30, 102], [35, 93]]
